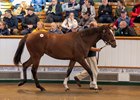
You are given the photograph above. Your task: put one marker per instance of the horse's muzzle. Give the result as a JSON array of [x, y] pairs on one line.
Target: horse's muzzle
[[113, 44]]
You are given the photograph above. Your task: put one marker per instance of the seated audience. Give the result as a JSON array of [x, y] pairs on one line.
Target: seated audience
[[72, 6], [16, 3], [54, 29], [105, 12], [3, 29], [123, 17], [29, 22], [38, 5], [81, 2], [123, 25], [85, 21], [40, 27], [19, 13], [0, 14], [136, 14], [120, 6], [11, 21], [112, 0], [87, 7], [54, 13], [125, 30], [69, 24]]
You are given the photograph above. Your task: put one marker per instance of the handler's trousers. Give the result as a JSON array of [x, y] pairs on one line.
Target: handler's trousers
[[92, 62]]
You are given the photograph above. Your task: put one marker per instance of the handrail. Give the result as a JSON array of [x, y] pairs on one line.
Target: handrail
[[117, 37], [47, 66]]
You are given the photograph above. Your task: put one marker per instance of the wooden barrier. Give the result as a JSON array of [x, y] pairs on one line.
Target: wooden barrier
[[41, 15], [137, 28]]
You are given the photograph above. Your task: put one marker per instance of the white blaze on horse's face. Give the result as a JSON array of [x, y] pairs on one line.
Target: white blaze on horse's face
[[41, 35], [112, 33]]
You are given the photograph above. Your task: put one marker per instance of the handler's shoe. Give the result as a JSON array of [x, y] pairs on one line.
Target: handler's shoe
[[77, 81]]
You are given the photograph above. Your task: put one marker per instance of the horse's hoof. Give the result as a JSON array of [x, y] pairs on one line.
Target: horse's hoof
[[93, 88], [77, 81], [67, 89], [42, 90], [21, 83]]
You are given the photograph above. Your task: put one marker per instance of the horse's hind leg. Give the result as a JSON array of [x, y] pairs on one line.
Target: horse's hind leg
[[71, 65], [25, 66], [34, 72]]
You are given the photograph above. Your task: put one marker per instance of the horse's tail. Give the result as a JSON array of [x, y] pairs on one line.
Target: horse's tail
[[19, 51]]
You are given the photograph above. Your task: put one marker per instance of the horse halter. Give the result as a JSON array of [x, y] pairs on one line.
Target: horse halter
[[104, 37]]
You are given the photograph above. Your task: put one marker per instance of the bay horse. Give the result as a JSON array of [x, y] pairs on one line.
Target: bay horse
[[72, 46]]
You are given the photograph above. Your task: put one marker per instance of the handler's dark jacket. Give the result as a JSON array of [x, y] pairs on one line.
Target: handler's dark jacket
[[92, 53], [30, 20]]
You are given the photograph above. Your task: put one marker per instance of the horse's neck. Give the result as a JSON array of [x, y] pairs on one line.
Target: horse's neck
[[92, 37]]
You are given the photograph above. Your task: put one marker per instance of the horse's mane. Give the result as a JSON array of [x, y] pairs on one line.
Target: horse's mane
[[87, 32]]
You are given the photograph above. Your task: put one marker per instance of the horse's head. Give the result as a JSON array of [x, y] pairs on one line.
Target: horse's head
[[107, 35]]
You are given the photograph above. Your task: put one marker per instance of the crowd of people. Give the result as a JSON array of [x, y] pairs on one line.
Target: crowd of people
[[78, 16]]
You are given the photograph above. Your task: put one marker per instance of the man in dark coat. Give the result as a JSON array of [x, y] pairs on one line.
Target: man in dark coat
[[11, 21], [54, 13], [30, 21]]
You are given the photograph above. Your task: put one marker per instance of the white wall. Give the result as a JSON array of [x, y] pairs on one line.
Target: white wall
[[127, 53]]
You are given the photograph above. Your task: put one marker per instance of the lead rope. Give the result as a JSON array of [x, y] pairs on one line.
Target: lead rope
[[99, 53]]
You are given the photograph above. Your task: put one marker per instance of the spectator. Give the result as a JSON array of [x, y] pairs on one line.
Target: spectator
[[87, 7], [0, 14], [105, 12], [3, 29], [72, 6], [54, 13], [54, 29], [81, 2], [19, 2], [40, 27], [123, 17], [19, 13], [136, 14], [29, 22], [112, 0], [85, 21], [92, 62], [38, 5], [11, 21], [120, 6], [69, 24], [125, 30], [123, 25]]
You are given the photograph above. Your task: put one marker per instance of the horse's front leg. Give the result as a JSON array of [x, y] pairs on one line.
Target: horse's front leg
[[86, 67], [71, 65]]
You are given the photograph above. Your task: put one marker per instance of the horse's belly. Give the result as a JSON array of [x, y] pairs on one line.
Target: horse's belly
[[60, 53]]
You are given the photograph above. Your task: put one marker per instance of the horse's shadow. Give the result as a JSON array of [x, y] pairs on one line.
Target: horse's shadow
[[78, 91]]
